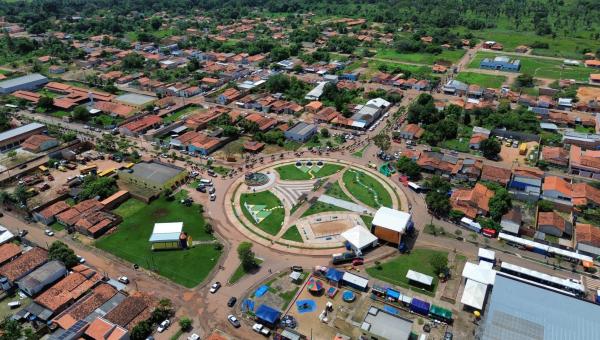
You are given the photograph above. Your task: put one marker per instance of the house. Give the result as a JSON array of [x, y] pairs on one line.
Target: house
[[553, 224], [526, 183], [136, 307], [557, 190], [13, 138], [475, 141], [556, 156], [94, 224], [47, 215], [455, 87], [501, 63], [584, 163], [585, 195], [521, 49], [313, 106], [70, 216], [511, 221], [228, 96], [42, 277], [412, 131], [264, 123], [467, 170], [140, 126], [587, 239], [390, 224], [472, 202], [492, 45], [39, 143], [594, 78], [438, 163], [475, 91], [114, 109], [326, 115], [253, 146], [24, 264], [316, 92], [592, 63], [9, 252], [495, 174], [301, 132], [102, 299], [101, 329]]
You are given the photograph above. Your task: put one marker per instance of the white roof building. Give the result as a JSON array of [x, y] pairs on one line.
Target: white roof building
[[166, 232], [474, 294], [419, 277], [479, 273], [391, 219], [5, 235], [359, 237], [486, 254]]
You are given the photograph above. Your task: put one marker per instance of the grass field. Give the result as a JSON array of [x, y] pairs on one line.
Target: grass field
[[420, 58], [272, 223], [541, 68], [291, 172], [130, 241], [483, 80], [320, 207], [461, 143], [360, 190], [394, 271], [176, 115], [292, 234], [336, 191], [240, 272], [368, 220]]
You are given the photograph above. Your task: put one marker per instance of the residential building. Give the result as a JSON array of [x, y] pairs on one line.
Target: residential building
[[24, 264], [511, 221], [301, 132], [495, 174], [228, 96], [101, 329], [100, 300], [70, 216], [555, 155], [13, 138], [316, 92], [94, 224], [587, 239], [412, 131], [140, 126], [526, 183], [136, 307], [9, 252], [455, 87], [582, 140], [28, 83], [39, 143], [552, 223], [585, 195], [42, 277], [472, 202], [438, 163], [48, 214], [584, 163], [557, 190], [501, 63]]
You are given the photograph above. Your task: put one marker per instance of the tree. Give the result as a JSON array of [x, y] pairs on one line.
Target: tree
[[545, 206], [524, 80], [490, 148], [500, 204], [185, 324], [11, 329], [20, 194], [382, 140], [61, 252], [409, 167], [141, 330], [439, 263], [12, 154], [325, 133], [97, 186], [437, 198], [45, 102], [80, 113], [246, 255]]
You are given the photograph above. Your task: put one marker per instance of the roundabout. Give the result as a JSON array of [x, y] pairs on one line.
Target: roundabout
[[302, 206]]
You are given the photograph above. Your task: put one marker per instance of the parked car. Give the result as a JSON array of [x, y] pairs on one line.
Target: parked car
[[233, 321], [163, 325], [201, 188], [80, 259], [123, 279], [23, 232], [232, 301], [194, 336], [297, 268], [48, 232], [358, 261], [258, 328], [215, 286], [213, 197], [448, 336]]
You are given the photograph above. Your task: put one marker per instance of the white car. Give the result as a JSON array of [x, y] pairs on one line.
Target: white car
[[49, 232], [194, 336], [163, 325], [123, 279], [258, 328], [213, 197], [80, 259], [215, 286]]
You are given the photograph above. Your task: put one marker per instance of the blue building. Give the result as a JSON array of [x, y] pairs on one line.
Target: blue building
[[301, 132], [501, 63]]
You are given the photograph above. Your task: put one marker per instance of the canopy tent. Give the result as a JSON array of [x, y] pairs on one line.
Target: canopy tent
[[359, 237], [440, 313], [391, 219], [314, 285], [334, 275], [419, 277], [474, 294], [166, 232], [268, 315]]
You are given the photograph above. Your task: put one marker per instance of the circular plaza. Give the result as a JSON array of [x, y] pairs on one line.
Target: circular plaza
[[303, 205]]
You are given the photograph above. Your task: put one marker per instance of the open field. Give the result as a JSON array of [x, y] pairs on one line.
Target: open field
[[273, 222], [366, 189], [130, 240], [394, 271], [541, 68], [483, 80], [421, 58]]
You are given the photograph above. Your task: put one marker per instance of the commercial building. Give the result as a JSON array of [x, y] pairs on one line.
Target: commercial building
[[390, 224], [29, 82], [301, 132], [39, 143], [42, 277], [13, 138], [501, 63], [379, 324]]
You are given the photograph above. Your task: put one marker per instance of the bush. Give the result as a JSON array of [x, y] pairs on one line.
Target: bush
[[185, 324]]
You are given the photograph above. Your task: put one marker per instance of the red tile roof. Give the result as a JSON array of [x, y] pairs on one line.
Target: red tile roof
[[34, 142], [24, 264], [85, 306], [69, 289], [142, 124], [588, 234], [559, 184], [54, 209], [551, 219], [584, 194], [471, 201], [8, 251]]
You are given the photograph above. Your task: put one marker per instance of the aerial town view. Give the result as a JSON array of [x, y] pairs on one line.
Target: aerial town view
[[294, 169]]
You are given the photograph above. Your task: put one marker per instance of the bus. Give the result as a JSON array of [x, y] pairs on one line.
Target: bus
[[88, 168], [129, 165], [415, 187], [107, 172], [44, 170]]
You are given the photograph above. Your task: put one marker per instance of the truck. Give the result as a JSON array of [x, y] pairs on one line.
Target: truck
[[258, 328], [342, 258], [523, 149]]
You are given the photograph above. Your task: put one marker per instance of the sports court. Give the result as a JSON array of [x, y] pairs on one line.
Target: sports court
[[154, 172]]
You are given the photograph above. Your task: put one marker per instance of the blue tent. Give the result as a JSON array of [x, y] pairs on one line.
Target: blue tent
[[393, 294], [268, 315], [334, 275]]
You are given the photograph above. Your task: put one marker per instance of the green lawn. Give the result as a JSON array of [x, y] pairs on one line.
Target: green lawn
[[60, 113], [336, 191], [106, 120], [368, 220], [292, 234], [319, 207], [461, 143], [177, 114], [291, 172], [361, 151], [272, 223], [130, 241], [394, 271], [56, 226], [366, 189], [483, 80], [541, 68], [240, 272], [420, 58]]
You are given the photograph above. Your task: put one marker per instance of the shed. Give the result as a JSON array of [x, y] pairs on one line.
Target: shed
[[487, 255], [419, 277], [474, 294], [268, 315], [359, 238], [419, 306], [355, 281]]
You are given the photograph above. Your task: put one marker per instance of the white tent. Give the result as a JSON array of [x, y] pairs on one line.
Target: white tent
[[419, 277], [479, 273], [359, 237], [166, 232], [391, 219], [474, 294]]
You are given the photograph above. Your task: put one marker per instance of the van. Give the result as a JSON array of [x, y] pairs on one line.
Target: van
[[14, 304], [207, 182]]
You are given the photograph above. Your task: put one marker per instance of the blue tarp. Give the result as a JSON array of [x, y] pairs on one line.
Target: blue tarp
[[390, 310], [268, 314], [261, 291], [306, 306], [419, 306], [334, 275], [248, 305], [393, 294]]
